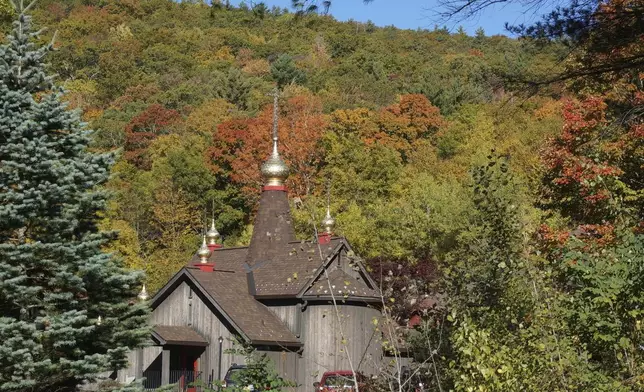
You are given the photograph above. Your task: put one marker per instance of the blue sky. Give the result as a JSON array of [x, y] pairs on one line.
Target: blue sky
[[411, 14]]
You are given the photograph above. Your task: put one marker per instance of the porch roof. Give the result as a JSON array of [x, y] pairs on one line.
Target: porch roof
[[178, 335]]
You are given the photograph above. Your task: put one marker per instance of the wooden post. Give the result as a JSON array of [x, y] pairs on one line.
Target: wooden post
[[165, 367], [139, 363]]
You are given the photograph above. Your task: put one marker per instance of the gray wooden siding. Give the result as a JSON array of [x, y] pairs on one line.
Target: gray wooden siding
[[324, 349], [184, 307], [288, 314]]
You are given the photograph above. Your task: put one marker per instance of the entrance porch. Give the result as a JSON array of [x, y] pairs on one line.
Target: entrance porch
[[178, 361]]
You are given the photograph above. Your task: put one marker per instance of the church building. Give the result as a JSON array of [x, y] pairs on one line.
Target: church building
[[277, 294]]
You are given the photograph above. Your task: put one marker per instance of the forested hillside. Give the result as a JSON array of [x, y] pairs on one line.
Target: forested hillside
[[494, 185], [391, 120]]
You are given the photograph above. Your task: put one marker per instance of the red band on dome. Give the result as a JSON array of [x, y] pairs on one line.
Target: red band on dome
[[274, 188]]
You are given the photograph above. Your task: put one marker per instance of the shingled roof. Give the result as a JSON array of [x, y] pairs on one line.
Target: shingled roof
[[272, 229], [275, 265], [293, 269], [343, 286], [178, 335], [227, 292]]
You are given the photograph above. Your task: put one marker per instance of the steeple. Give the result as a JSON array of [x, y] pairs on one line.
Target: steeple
[[273, 226], [274, 169]]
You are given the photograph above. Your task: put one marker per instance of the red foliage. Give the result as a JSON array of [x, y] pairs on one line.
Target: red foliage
[[241, 145], [143, 129], [593, 168], [577, 161]]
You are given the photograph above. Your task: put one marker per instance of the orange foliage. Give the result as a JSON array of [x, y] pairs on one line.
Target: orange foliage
[[406, 124], [241, 145]]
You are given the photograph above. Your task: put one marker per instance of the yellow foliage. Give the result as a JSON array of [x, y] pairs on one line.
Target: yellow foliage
[[205, 118], [257, 67], [225, 53], [550, 109], [127, 245], [80, 93]]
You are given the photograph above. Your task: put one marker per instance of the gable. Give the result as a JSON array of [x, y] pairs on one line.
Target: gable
[[294, 267], [344, 276], [226, 293]]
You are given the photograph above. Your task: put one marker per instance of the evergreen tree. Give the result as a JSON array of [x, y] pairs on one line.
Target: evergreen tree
[[55, 281], [285, 72]]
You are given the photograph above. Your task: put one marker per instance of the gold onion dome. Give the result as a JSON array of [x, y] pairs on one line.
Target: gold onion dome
[[328, 222], [143, 295], [204, 252], [274, 169], [212, 234]]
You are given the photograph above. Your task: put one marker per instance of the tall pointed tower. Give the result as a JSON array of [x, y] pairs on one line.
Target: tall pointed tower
[[273, 224]]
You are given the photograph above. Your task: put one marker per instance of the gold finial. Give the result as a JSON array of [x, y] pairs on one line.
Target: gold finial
[[143, 295], [328, 222], [212, 235], [274, 169], [204, 252]]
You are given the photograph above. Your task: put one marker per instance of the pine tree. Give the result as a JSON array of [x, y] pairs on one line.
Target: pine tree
[[55, 281], [284, 71]]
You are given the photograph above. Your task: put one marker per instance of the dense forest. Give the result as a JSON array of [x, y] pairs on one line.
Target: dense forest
[[515, 206], [391, 120]]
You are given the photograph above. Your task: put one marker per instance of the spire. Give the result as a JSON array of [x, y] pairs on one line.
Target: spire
[[212, 235], [273, 226], [274, 169], [143, 295]]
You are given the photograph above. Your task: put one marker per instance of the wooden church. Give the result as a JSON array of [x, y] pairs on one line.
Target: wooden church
[[277, 294]]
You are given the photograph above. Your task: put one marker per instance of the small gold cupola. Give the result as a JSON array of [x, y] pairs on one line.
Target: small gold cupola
[[143, 295], [212, 235], [204, 252], [328, 222], [274, 169]]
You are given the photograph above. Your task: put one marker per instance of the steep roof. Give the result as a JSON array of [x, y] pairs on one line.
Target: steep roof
[[227, 292], [272, 229], [293, 268], [230, 291], [274, 265], [343, 286]]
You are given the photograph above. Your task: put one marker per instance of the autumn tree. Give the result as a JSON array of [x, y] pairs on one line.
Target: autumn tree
[[143, 129], [240, 145], [408, 124]]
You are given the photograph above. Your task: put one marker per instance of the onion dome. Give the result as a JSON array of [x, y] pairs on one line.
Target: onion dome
[[274, 169], [143, 295], [204, 252], [328, 222], [212, 235]]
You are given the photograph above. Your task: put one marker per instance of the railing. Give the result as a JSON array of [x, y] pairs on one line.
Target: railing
[[185, 380], [152, 380]]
